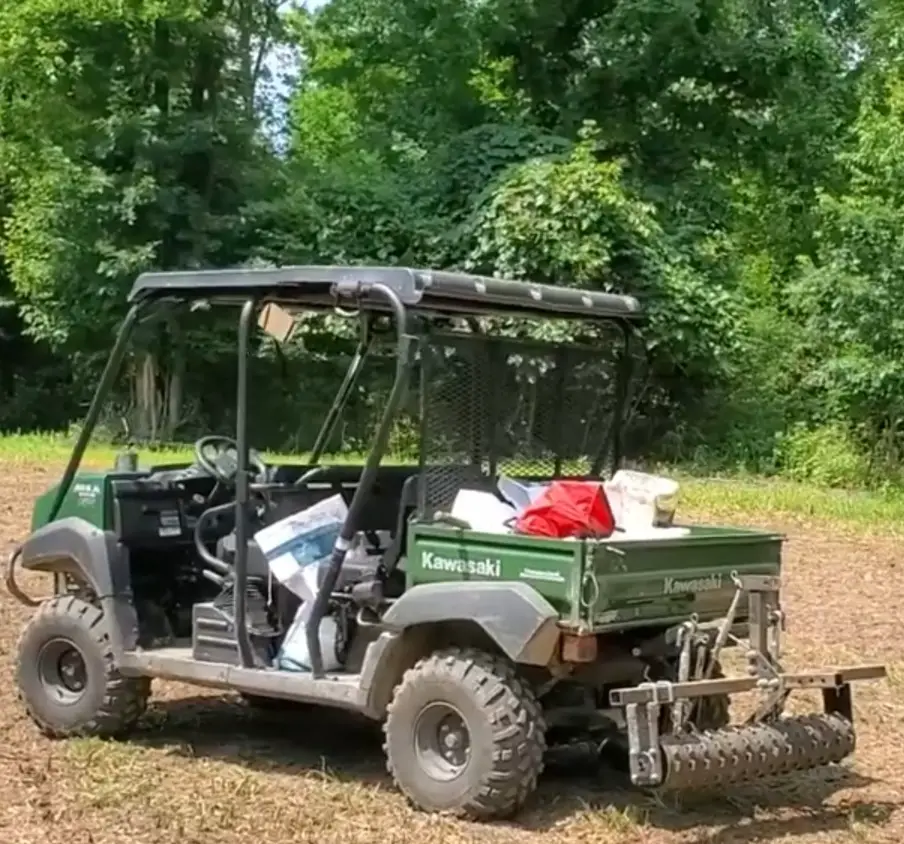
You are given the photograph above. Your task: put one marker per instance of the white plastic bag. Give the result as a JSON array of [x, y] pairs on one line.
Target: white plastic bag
[[293, 653], [483, 511]]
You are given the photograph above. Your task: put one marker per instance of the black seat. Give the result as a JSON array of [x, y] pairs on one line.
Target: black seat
[[442, 485], [257, 566], [407, 505]]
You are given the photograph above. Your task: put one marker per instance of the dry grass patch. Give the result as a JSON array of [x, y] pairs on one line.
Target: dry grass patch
[[202, 769]]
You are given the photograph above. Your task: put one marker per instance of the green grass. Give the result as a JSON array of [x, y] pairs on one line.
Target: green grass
[[56, 448], [730, 498]]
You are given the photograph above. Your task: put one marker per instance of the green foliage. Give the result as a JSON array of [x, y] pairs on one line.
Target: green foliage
[[737, 166], [847, 299], [563, 219], [114, 144], [827, 456], [570, 219]]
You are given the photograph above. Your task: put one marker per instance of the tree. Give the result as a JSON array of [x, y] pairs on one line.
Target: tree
[[130, 142]]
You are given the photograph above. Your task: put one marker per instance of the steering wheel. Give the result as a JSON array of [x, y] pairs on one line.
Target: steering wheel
[[310, 473], [219, 457]]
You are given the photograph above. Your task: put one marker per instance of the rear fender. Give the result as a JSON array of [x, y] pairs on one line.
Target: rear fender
[[75, 547], [520, 621]]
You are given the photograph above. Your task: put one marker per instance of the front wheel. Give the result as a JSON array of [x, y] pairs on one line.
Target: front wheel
[[67, 677], [464, 734]]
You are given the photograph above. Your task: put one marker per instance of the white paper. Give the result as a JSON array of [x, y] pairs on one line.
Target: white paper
[[300, 541], [483, 511], [644, 534], [516, 493], [520, 495]]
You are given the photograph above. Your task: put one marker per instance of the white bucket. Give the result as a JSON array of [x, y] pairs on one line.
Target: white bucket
[[640, 501]]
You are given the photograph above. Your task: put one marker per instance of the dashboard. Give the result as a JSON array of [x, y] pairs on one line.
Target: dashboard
[[160, 509]]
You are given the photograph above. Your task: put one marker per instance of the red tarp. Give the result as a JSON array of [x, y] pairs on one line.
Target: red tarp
[[569, 508]]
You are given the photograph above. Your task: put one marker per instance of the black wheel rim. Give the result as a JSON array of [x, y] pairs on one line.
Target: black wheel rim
[[442, 742], [63, 672]]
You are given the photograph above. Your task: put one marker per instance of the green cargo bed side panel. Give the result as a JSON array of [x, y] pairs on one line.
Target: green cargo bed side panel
[[440, 553], [606, 585]]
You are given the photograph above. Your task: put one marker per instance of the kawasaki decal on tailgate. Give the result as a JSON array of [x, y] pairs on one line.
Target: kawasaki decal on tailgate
[[675, 586]]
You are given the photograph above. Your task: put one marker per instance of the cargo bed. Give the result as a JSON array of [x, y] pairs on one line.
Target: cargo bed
[[620, 582]]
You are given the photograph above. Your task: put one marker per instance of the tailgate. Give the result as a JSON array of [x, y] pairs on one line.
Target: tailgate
[[665, 580]]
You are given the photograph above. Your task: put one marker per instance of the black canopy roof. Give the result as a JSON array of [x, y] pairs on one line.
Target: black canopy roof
[[422, 290]]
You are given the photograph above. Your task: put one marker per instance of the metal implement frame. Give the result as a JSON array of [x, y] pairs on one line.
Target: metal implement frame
[[663, 692], [643, 703]]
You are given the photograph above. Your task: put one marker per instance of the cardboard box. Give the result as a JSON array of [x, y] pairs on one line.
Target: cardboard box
[[277, 322]]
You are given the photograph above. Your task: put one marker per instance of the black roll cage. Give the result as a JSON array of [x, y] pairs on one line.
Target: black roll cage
[[396, 291]]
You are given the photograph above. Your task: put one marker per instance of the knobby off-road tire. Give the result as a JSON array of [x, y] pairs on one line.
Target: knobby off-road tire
[[107, 704], [505, 735]]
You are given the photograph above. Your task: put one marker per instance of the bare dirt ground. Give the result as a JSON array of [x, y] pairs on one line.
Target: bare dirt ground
[[200, 769]]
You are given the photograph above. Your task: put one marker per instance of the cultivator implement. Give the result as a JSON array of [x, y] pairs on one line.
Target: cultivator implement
[[768, 744], [757, 751]]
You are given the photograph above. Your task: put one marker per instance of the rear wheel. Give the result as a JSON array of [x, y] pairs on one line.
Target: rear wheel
[[66, 673], [464, 734]]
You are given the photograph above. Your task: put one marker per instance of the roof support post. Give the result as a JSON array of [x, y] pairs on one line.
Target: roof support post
[[240, 593], [110, 373], [404, 360]]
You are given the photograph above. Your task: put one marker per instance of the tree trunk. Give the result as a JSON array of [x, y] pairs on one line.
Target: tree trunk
[[148, 399], [174, 395]]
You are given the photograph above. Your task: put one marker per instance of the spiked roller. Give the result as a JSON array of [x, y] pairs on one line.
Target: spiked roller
[[769, 748], [756, 751]]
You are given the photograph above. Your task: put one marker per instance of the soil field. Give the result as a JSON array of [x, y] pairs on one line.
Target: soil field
[[201, 769]]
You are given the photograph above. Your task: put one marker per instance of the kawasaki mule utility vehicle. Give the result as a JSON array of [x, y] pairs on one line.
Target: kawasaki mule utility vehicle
[[476, 648]]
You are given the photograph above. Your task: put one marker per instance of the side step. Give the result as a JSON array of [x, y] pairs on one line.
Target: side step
[[344, 691]]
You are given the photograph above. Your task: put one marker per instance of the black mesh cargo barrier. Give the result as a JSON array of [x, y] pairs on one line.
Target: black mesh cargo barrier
[[496, 405]]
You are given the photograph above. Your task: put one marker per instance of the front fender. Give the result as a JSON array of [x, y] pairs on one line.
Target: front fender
[[515, 616], [72, 546], [75, 547]]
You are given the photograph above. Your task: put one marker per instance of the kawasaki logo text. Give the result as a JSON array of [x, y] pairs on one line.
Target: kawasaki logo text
[[674, 586], [481, 568]]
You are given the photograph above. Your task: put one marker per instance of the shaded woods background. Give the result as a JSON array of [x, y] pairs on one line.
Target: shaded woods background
[[739, 165]]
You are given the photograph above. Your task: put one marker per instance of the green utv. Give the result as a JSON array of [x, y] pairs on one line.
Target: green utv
[[477, 650]]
